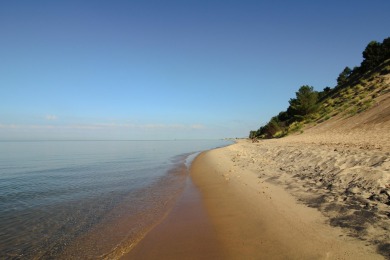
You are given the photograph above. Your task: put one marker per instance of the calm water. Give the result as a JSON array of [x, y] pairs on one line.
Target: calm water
[[87, 199]]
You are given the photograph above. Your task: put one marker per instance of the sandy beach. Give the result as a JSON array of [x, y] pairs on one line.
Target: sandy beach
[[256, 207], [323, 194], [262, 211]]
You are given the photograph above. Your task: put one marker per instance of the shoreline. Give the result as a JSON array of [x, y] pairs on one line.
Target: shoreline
[[185, 233], [249, 208]]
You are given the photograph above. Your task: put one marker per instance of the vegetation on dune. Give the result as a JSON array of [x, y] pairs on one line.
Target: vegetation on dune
[[355, 92]]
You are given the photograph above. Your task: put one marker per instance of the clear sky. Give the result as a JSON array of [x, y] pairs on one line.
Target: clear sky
[[170, 69]]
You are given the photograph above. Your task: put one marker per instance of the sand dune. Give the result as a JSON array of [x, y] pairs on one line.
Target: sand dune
[[323, 194]]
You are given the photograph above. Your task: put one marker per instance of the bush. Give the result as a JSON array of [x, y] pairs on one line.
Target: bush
[[279, 134], [294, 127], [352, 111]]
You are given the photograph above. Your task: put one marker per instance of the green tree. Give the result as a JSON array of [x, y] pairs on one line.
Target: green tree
[[375, 53], [372, 55], [252, 134], [324, 93], [305, 102], [386, 49], [343, 76]]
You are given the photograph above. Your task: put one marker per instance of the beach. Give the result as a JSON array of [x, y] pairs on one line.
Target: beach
[[291, 198], [252, 208], [260, 211]]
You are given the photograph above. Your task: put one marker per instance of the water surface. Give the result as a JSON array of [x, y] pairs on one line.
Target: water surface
[[87, 199]]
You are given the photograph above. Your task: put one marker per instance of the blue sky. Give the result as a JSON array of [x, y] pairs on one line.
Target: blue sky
[[170, 69]]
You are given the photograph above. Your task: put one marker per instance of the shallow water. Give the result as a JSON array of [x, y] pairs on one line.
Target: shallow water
[[87, 199]]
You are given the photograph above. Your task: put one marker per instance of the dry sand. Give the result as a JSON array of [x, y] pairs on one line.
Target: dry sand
[[257, 196]]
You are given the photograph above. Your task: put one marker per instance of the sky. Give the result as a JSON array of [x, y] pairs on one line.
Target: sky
[[135, 70]]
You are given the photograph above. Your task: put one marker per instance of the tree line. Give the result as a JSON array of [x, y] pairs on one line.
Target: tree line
[[307, 100], [374, 54]]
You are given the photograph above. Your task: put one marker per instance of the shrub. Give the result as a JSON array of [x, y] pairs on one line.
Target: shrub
[[359, 87], [296, 126], [330, 102], [279, 134], [352, 111]]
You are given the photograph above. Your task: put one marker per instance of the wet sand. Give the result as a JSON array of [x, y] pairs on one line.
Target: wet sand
[[186, 233]]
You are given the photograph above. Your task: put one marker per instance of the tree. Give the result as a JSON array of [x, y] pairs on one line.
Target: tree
[[372, 55], [343, 76], [375, 53], [305, 101], [252, 134], [284, 116], [386, 48], [324, 93]]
